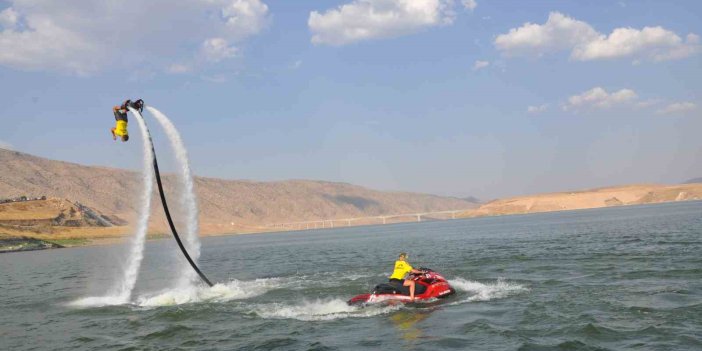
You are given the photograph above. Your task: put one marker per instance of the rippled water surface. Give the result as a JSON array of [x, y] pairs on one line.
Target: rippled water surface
[[619, 278]]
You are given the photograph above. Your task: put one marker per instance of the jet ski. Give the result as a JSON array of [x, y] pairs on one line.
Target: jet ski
[[428, 285]]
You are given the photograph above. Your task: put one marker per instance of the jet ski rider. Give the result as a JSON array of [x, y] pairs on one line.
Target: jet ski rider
[[402, 267], [121, 120]]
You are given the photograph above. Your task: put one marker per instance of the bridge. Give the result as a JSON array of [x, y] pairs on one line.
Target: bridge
[[380, 219]]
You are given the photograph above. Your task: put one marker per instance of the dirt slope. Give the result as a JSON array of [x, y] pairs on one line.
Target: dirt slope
[[594, 198], [221, 202]]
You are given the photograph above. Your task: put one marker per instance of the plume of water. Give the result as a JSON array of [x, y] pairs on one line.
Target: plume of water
[[187, 199], [124, 289], [121, 293]]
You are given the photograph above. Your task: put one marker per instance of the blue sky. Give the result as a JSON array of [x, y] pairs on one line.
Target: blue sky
[[484, 98]]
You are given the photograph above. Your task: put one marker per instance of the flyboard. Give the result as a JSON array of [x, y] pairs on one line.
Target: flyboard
[[137, 113]]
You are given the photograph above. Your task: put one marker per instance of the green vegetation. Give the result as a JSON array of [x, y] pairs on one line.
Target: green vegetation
[[25, 244]]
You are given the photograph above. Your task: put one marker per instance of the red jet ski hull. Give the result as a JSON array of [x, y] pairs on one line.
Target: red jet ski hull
[[431, 284]]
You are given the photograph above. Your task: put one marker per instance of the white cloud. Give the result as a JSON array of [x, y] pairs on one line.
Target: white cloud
[[87, 36], [218, 49], [9, 18], [245, 17], [677, 108], [599, 98], [480, 65], [537, 109], [561, 33], [470, 4], [654, 43], [558, 33], [371, 19]]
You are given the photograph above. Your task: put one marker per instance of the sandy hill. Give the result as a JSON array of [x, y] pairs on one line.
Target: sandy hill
[[594, 198], [54, 211], [58, 220], [114, 192]]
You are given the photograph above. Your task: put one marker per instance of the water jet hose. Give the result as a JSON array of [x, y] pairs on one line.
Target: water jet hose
[[165, 208]]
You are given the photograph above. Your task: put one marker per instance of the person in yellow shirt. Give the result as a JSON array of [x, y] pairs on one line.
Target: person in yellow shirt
[[121, 120], [402, 268]]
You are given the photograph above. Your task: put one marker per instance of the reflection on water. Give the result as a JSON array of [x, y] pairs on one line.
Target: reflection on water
[[405, 321]]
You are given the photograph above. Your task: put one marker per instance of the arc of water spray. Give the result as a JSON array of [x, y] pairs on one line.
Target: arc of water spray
[[187, 194], [136, 252], [122, 292], [157, 173]]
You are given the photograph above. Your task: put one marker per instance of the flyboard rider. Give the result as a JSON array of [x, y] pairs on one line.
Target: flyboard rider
[[121, 120]]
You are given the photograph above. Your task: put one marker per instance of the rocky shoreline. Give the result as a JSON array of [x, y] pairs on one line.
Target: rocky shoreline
[[25, 244]]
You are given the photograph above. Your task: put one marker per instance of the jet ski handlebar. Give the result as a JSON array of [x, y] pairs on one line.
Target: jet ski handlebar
[[422, 271]]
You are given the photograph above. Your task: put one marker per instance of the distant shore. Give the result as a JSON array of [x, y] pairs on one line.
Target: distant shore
[[24, 243], [636, 194]]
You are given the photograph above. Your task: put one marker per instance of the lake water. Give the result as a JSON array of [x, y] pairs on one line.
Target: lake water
[[618, 279]]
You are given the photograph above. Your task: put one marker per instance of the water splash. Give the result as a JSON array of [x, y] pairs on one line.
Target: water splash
[[97, 301], [221, 292], [122, 292], [486, 292], [187, 199], [136, 252], [321, 310], [240, 289]]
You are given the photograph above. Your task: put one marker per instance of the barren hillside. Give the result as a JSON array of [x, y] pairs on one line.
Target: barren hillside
[[594, 198], [221, 202]]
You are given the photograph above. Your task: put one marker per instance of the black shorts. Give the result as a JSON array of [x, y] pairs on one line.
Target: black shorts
[[393, 280], [120, 116]]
